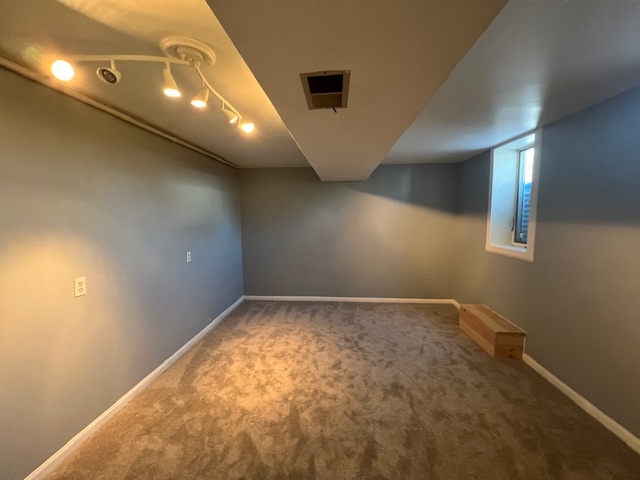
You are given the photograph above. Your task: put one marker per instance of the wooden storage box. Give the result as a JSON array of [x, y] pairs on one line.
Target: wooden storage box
[[491, 331]]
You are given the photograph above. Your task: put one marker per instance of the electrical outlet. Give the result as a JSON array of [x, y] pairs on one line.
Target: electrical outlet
[[80, 286], [188, 256]]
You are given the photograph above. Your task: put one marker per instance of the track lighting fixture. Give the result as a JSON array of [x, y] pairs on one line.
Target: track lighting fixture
[[201, 99], [62, 70], [181, 51], [169, 85]]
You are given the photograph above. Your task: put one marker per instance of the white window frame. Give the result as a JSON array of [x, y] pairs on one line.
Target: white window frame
[[500, 227], [518, 185]]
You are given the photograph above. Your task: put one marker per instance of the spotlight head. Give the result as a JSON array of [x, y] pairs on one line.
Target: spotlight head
[[170, 87], [62, 70], [201, 99], [109, 75], [232, 117]]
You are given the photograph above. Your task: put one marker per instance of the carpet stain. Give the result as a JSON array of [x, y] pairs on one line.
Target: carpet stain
[[368, 457]]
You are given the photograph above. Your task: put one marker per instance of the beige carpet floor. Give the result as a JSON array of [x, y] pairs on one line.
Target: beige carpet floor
[[349, 391]]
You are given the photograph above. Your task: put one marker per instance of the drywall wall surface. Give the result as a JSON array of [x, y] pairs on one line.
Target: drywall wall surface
[[580, 299], [386, 237], [85, 194]]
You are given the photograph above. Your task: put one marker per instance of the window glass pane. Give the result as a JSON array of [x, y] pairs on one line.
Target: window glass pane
[[525, 178], [528, 165]]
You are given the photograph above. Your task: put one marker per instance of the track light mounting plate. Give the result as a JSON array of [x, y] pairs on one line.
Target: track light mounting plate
[[184, 48]]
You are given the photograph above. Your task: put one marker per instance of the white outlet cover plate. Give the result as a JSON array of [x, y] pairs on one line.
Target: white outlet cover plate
[[80, 286], [189, 256]]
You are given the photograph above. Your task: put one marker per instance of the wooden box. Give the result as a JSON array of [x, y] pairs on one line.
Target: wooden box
[[491, 331]]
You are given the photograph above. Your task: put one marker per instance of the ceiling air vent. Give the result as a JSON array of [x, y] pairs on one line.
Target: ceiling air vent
[[327, 89]]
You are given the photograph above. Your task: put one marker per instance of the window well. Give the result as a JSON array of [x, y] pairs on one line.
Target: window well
[[326, 89]]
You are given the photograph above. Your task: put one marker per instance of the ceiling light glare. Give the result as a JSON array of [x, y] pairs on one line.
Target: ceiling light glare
[[201, 99], [170, 87], [247, 127], [232, 117], [62, 70]]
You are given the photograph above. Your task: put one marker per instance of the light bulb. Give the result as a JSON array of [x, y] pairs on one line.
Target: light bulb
[[62, 70], [171, 92], [247, 127], [201, 99], [170, 88]]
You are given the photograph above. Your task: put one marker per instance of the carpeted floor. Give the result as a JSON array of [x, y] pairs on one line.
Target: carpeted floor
[[349, 391]]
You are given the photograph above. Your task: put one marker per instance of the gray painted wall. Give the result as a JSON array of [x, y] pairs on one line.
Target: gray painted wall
[[387, 237], [83, 193], [419, 231], [580, 299]]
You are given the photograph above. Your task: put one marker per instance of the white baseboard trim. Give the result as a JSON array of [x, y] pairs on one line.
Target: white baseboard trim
[[609, 423], [57, 458], [289, 298]]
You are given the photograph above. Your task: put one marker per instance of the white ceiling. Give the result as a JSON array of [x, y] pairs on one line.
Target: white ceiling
[[536, 63], [399, 54], [421, 90]]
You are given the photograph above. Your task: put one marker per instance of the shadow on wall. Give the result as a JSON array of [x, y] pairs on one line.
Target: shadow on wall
[[590, 171], [383, 237], [431, 186]]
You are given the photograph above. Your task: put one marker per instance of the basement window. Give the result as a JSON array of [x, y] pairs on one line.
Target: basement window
[[513, 195]]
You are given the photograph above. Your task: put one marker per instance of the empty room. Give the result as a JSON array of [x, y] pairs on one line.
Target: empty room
[[305, 239]]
